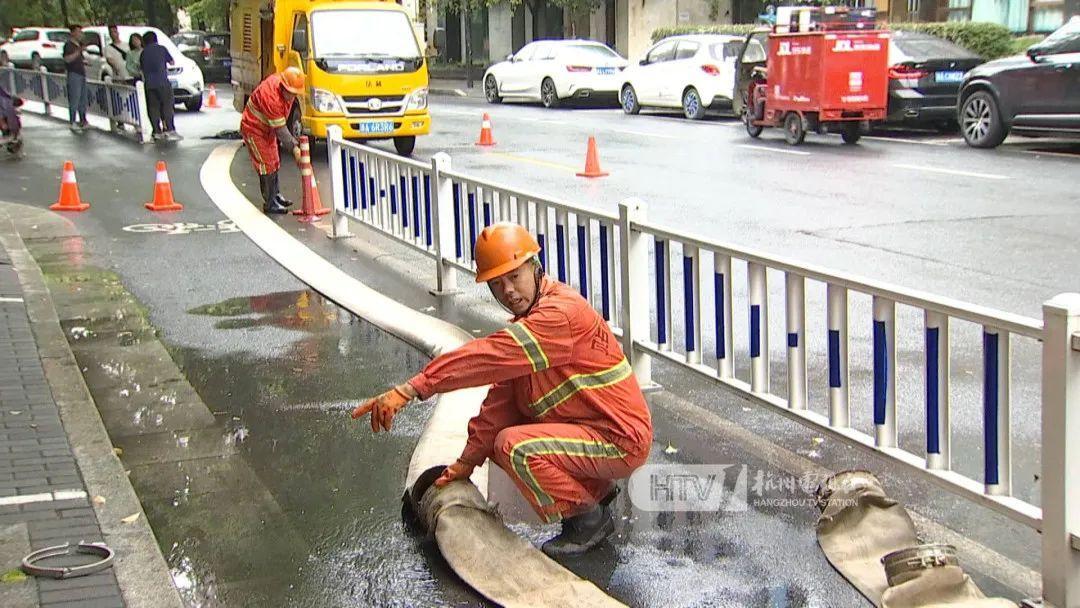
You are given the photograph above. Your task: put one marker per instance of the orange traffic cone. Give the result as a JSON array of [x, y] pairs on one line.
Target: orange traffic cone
[[69, 192], [311, 208], [211, 100], [486, 139], [163, 198], [592, 162]]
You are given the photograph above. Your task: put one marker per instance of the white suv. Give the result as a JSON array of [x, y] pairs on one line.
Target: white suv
[[695, 73], [33, 47], [184, 74]]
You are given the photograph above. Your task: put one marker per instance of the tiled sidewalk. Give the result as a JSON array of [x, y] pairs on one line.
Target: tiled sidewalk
[[41, 489]]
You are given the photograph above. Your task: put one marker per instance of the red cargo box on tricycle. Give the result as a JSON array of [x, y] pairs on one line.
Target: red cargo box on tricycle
[[822, 81]]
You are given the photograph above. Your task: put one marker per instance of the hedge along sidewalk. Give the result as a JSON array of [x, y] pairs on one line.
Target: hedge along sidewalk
[[139, 567], [987, 40]]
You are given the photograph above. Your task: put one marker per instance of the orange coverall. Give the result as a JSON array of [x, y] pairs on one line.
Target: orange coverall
[[564, 417], [266, 111]]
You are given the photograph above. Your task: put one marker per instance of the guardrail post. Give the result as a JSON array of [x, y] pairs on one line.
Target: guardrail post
[[795, 307], [45, 90], [339, 222], [144, 120], [758, 292], [1060, 450], [110, 106], [634, 268], [443, 225]]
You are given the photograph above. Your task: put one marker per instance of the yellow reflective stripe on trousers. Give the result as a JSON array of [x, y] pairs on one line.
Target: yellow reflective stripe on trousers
[[580, 382], [262, 169], [528, 343], [520, 454], [280, 122]]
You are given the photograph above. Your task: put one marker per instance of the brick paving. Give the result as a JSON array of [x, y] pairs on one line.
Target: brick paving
[[40, 483]]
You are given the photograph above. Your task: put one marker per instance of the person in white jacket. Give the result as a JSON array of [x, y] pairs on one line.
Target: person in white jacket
[[115, 54]]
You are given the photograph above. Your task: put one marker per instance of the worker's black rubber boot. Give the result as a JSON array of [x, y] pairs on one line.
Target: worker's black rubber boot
[[275, 191], [274, 207], [264, 189], [581, 533]]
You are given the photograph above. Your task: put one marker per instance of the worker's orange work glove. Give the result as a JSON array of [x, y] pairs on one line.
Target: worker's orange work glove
[[383, 408], [457, 471]]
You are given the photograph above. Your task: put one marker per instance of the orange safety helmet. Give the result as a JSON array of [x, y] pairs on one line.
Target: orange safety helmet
[[293, 80], [501, 248]]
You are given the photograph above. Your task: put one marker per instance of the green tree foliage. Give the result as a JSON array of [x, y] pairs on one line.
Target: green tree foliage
[[211, 14], [58, 13]]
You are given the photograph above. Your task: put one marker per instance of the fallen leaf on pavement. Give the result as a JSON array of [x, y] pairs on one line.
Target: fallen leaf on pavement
[[670, 450], [98, 500], [118, 451], [130, 518]]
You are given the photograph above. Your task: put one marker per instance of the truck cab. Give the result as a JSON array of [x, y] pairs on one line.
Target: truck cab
[[365, 69]]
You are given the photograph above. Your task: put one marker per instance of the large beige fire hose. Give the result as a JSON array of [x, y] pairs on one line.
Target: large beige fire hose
[[870, 539]]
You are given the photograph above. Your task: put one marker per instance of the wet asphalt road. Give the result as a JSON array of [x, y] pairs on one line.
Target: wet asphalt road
[[859, 212]]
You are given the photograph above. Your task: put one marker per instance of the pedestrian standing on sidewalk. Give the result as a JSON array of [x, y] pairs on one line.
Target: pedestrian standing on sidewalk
[[264, 126], [154, 63], [564, 416], [77, 94], [116, 55], [133, 56]]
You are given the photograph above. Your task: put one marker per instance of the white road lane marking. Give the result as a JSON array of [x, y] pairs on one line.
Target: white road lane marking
[[43, 497], [12, 300], [644, 134], [952, 172], [780, 150], [901, 140]]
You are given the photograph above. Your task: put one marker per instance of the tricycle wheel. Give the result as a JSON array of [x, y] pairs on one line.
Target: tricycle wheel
[[748, 120], [794, 129], [851, 133]]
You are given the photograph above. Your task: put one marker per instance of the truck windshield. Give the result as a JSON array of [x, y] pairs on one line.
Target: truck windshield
[[368, 34]]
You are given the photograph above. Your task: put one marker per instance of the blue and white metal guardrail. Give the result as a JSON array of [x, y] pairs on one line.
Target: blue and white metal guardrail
[[623, 265], [121, 104]]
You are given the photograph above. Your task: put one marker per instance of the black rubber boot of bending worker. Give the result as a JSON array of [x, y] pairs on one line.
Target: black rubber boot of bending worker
[[275, 191], [581, 533], [268, 184]]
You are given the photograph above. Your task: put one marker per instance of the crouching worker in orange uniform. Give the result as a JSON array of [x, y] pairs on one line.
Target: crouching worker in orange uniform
[[263, 125], [564, 417]]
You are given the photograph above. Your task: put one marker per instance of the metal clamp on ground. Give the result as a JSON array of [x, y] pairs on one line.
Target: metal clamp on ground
[[102, 550]]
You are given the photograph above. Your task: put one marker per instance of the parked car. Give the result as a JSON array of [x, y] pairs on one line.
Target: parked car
[[695, 73], [184, 75], [33, 47], [925, 73], [550, 71], [209, 50], [1035, 94]]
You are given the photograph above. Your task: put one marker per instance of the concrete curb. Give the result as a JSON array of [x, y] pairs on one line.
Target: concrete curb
[[140, 567]]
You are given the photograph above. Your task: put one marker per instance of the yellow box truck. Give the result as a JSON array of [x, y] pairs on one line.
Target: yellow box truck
[[365, 67]]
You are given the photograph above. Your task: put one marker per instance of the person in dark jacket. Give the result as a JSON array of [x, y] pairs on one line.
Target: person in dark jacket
[[77, 94], [154, 63]]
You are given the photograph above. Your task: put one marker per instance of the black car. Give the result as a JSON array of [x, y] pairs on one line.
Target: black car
[[209, 50], [1034, 94], [925, 73]]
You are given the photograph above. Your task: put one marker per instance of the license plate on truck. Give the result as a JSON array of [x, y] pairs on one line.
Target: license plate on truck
[[376, 127], [949, 76]]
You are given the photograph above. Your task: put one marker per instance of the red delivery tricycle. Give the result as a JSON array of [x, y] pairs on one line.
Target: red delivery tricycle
[[821, 75]]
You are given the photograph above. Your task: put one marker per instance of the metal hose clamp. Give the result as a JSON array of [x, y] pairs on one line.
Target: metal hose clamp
[[100, 549]]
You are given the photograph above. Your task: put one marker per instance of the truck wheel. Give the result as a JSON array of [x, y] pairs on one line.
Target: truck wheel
[[794, 129], [851, 132], [980, 121], [691, 104], [405, 145]]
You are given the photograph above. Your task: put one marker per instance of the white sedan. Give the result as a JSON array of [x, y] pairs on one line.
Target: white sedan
[[695, 73], [550, 71]]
